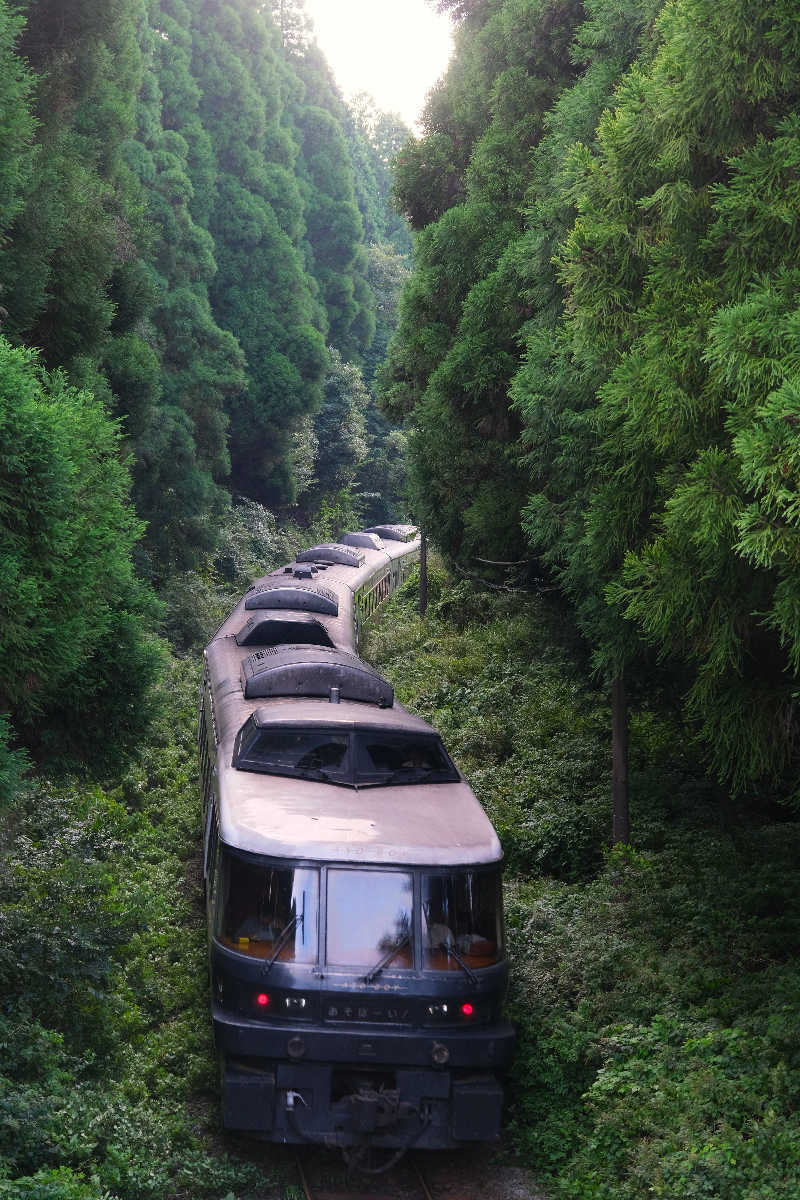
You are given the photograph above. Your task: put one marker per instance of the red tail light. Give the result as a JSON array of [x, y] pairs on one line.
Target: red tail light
[[467, 1010], [262, 999]]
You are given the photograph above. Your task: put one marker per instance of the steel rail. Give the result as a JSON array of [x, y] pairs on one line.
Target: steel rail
[[308, 1194], [302, 1174], [422, 1183]]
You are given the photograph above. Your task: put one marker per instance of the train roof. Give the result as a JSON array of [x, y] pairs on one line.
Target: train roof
[[327, 593], [434, 824], [430, 824], [314, 712]]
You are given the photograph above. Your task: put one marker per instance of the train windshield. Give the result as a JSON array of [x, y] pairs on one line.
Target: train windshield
[[267, 911], [369, 919], [306, 753], [462, 920], [359, 758], [387, 757]]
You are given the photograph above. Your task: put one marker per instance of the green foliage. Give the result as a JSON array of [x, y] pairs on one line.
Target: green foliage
[[261, 290], [107, 1085], [457, 346], [334, 231], [374, 140], [616, 193], [250, 544], [186, 238], [13, 764], [654, 1004], [75, 617], [17, 124], [79, 220], [340, 427], [685, 330]]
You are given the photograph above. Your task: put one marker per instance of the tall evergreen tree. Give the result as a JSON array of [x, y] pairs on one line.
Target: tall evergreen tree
[[181, 446], [80, 223], [16, 159], [679, 281], [74, 646], [261, 292], [335, 250], [457, 346]]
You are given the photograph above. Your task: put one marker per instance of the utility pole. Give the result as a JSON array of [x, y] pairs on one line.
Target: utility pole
[[621, 824], [423, 574]]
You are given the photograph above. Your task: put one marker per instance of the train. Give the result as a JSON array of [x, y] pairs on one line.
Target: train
[[353, 881]]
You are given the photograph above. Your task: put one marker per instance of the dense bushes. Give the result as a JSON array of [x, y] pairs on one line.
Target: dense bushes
[[654, 986], [74, 635], [107, 1082]]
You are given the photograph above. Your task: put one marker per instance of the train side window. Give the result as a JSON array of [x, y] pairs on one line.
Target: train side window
[[462, 919], [212, 876], [206, 776], [265, 910], [211, 842], [387, 758]]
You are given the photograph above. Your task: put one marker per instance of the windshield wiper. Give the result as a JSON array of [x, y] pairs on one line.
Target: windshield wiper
[[375, 971], [283, 938], [453, 953]]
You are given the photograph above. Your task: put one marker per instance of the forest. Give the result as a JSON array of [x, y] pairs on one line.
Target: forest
[[554, 328]]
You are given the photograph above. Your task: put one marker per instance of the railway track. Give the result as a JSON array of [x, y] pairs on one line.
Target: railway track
[[404, 1182]]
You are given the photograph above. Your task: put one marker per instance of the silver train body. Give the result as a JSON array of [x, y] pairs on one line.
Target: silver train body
[[352, 878]]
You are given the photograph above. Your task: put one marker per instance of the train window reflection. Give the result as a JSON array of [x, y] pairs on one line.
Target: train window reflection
[[365, 758], [462, 920], [265, 911], [385, 758], [369, 915], [303, 752]]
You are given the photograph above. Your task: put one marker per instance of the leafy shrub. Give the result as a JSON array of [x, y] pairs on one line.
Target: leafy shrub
[[250, 544], [107, 1085], [13, 764], [76, 620]]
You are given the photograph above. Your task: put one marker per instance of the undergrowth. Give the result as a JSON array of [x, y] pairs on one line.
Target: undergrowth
[[107, 1079], [655, 987]]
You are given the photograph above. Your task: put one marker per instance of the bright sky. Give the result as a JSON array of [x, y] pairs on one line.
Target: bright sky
[[393, 49]]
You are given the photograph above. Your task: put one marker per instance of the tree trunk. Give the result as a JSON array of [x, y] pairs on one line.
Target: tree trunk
[[423, 575], [621, 827]]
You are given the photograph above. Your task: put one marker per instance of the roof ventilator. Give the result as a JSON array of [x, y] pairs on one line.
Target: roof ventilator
[[306, 599], [269, 629], [347, 556], [369, 541], [312, 671], [394, 533]]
